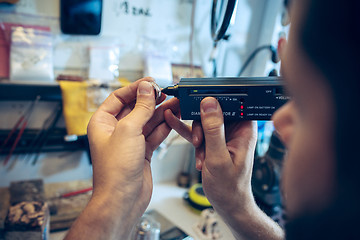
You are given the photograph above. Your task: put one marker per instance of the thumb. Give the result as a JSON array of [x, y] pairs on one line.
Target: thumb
[[212, 121], [144, 107]]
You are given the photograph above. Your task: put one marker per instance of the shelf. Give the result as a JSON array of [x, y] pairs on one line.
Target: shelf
[[31, 143], [34, 141], [21, 91]]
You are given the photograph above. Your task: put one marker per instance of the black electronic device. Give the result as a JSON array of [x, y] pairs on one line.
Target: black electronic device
[[80, 16], [246, 98]]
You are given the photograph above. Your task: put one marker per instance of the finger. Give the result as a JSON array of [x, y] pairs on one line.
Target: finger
[[157, 136], [161, 99], [144, 107], [197, 134], [158, 117], [213, 125], [199, 156], [245, 132], [175, 123], [242, 141], [125, 111], [121, 97]]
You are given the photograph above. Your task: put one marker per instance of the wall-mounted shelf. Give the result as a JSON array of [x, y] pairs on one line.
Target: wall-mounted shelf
[[54, 140], [20, 91]]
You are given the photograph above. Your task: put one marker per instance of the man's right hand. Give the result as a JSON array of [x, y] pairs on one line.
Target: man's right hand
[[224, 153]]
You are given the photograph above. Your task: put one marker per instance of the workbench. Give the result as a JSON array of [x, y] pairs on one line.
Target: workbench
[[167, 199]]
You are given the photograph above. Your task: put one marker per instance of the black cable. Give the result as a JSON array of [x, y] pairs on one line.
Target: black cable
[[219, 26], [274, 57], [191, 38], [213, 59], [219, 33], [214, 67]]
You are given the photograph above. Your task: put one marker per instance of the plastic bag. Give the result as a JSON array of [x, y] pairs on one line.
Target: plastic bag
[[104, 63], [80, 101], [31, 55], [5, 42], [75, 102]]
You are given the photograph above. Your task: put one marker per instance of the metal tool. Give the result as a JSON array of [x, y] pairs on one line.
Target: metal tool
[[22, 123], [49, 125]]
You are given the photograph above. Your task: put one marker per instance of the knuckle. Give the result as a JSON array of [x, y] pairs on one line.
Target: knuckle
[[126, 126], [146, 129], [163, 133], [144, 106], [216, 167], [213, 127]]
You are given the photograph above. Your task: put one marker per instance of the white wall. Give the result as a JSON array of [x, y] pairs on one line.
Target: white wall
[[166, 30]]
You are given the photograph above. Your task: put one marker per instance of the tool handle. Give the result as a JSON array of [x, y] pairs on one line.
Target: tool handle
[[12, 132], [15, 142], [70, 194]]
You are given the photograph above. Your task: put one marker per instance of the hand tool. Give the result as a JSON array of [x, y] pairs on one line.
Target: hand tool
[[22, 123]]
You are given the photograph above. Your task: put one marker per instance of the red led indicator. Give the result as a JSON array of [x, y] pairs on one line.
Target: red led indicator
[[241, 107], [242, 114]]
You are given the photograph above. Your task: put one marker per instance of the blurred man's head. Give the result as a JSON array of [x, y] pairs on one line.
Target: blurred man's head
[[321, 68]]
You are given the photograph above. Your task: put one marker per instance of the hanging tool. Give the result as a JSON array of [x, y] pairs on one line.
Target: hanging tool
[[74, 193], [48, 126], [38, 139], [22, 123]]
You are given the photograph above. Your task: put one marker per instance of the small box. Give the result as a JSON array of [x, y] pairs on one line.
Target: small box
[[27, 191]]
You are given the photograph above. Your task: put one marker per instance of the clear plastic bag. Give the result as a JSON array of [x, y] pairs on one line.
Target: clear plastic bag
[[31, 55], [5, 43], [104, 63]]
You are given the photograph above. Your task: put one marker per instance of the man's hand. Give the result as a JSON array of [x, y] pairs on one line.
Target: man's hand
[[224, 154], [123, 133]]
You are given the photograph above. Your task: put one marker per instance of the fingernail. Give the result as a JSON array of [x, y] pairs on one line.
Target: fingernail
[[209, 105], [145, 88]]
